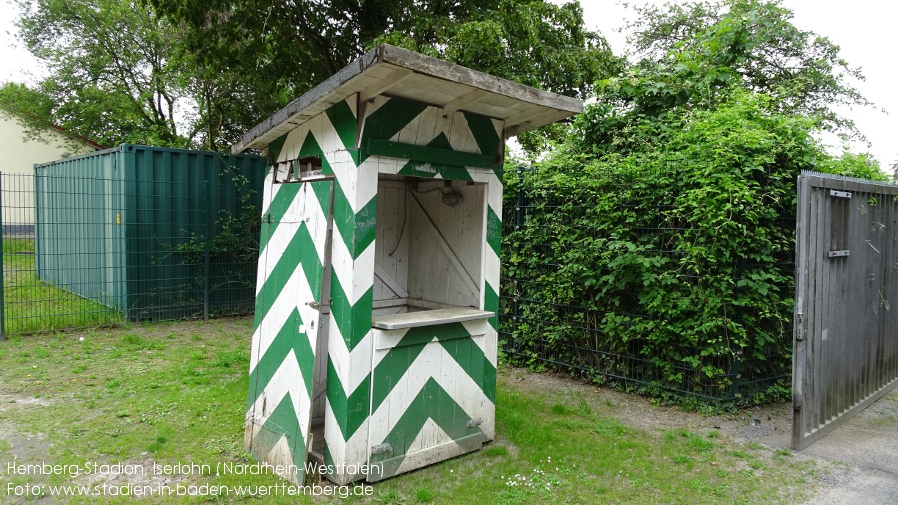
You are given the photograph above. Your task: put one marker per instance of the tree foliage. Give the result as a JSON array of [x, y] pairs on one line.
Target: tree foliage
[[663, 228], [116, 73], [296, 45], [172, 73], [859, 165], [695, 50], [31, 109]]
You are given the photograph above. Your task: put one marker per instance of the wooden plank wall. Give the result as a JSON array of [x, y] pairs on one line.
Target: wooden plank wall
[[426, 250], [446, 245], [391, 248]]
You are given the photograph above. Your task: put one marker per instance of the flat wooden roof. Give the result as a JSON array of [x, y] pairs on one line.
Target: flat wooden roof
[[396, 72]]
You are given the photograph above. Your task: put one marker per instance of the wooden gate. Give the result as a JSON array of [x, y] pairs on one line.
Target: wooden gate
[[846, 301]]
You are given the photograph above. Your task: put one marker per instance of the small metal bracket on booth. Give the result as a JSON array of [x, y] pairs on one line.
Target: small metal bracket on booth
[[381, 448], [839, 254]]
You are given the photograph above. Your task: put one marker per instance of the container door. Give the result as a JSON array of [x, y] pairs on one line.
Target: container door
[[293, 265], [430, 399]]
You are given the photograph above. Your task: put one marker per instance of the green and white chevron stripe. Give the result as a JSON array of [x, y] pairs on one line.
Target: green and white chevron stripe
[[410, 396], [433, 392], [292, 243]]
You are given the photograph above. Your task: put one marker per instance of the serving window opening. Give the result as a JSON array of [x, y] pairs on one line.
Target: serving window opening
[[428, 251]]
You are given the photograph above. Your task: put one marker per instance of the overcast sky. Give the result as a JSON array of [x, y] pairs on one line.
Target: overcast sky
[[863, 28]]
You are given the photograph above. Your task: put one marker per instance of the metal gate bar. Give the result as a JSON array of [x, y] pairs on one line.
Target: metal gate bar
[[846, 301]]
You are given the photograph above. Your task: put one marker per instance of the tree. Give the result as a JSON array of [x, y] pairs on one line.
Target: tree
[[116, 72], [173, 73], [693, 56], [119, 73], [532, 42], [752, 43], [32, 109], [848, 164], [665, 222], [296, 45]]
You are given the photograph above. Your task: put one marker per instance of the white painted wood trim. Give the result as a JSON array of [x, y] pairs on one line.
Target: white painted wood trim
[[392, 302], [466, 276], [427, 304], [389, 281], [429, 318], [463, 100]]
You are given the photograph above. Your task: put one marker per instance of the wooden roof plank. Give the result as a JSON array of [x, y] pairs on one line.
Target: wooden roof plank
[[385, 84], [464, 75], [548, 118], [464, 100], [437, 82]]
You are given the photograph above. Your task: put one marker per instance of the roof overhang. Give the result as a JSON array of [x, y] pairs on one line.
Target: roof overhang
[[396, 72]]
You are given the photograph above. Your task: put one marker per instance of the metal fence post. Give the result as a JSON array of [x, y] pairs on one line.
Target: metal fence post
[[519, 208], [3, 273], [206, 258], [519, 220], [736, 364]]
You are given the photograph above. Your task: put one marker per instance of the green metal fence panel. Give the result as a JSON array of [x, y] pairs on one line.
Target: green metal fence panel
[[157, 233]]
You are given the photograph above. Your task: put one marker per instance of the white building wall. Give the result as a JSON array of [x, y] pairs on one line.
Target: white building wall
[[18, 156]]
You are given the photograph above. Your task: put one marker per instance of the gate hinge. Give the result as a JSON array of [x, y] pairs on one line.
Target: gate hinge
[[839, 254], [799, 335], [314, 305], [381, 448], [475, 422], [839, 194]]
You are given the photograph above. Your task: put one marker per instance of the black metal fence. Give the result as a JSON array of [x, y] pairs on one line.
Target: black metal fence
[[81, 252], [84, 251], [544, 333]]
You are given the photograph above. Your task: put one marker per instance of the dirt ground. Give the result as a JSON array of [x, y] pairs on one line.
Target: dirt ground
[[866, 448], [860, 457]]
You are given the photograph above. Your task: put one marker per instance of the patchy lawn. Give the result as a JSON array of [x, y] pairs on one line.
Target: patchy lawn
[[110, 409], [32, 305]]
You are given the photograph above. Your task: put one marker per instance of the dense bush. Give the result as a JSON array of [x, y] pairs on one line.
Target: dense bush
[[655, 246], [680, 252]]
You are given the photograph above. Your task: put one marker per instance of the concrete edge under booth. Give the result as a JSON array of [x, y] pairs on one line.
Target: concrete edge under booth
[[375, 337]]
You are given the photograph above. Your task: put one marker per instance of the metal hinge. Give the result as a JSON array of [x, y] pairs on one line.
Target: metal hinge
[[381, 448], [475, 422], [839, 194], [800, 325], [839, 254]]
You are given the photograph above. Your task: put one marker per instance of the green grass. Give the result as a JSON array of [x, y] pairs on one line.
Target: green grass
[[176, 393], [31, 305]]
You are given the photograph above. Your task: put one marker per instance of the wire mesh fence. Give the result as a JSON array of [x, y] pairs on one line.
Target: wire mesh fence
[[547, 333], [81, 251]]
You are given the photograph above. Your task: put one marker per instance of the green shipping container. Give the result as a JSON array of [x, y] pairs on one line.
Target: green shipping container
[[157, 233]]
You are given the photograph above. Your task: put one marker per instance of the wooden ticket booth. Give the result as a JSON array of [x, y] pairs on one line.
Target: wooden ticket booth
[[374, 345]]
